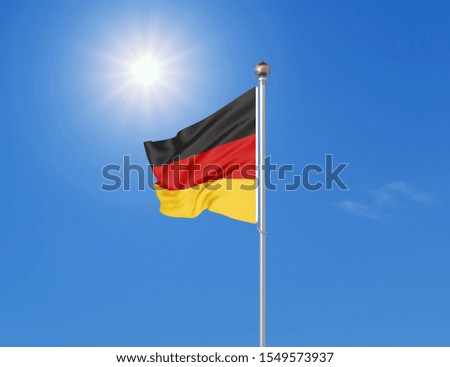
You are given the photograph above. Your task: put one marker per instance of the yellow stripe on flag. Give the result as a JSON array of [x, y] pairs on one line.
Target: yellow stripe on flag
[[234, 198]]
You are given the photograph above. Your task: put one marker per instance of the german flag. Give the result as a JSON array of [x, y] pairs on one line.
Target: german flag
[[209, 165]]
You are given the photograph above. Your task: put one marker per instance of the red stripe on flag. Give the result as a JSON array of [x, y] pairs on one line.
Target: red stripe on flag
[[231, 160]]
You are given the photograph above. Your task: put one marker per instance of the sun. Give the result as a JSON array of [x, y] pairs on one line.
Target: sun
[[145, 71]]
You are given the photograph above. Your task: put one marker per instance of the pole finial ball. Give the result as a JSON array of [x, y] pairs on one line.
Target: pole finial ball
[[262, 69]]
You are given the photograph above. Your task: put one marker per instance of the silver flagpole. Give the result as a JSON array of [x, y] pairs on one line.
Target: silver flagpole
[[262, 70]]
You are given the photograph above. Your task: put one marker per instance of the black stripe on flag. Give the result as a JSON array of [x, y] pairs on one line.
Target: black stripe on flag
[[234, 121]]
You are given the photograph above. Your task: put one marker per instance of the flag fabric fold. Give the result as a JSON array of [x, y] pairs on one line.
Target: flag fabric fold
[[209, 165]]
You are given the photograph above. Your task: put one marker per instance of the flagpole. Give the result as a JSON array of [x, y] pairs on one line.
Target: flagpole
[[262, 70]]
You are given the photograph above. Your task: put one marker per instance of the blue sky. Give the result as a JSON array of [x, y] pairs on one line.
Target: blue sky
[[366, 82]]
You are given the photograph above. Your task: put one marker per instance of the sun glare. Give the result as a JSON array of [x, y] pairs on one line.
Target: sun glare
[[145, 71]]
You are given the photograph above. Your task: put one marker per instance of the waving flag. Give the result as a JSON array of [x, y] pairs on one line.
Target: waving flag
[[209, 165]]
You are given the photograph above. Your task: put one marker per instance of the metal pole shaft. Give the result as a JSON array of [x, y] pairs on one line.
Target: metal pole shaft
[[262, 70], [262, 212]]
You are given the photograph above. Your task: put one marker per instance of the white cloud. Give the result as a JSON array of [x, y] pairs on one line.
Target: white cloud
[[398, 190], [386, 200], [357, 208]]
